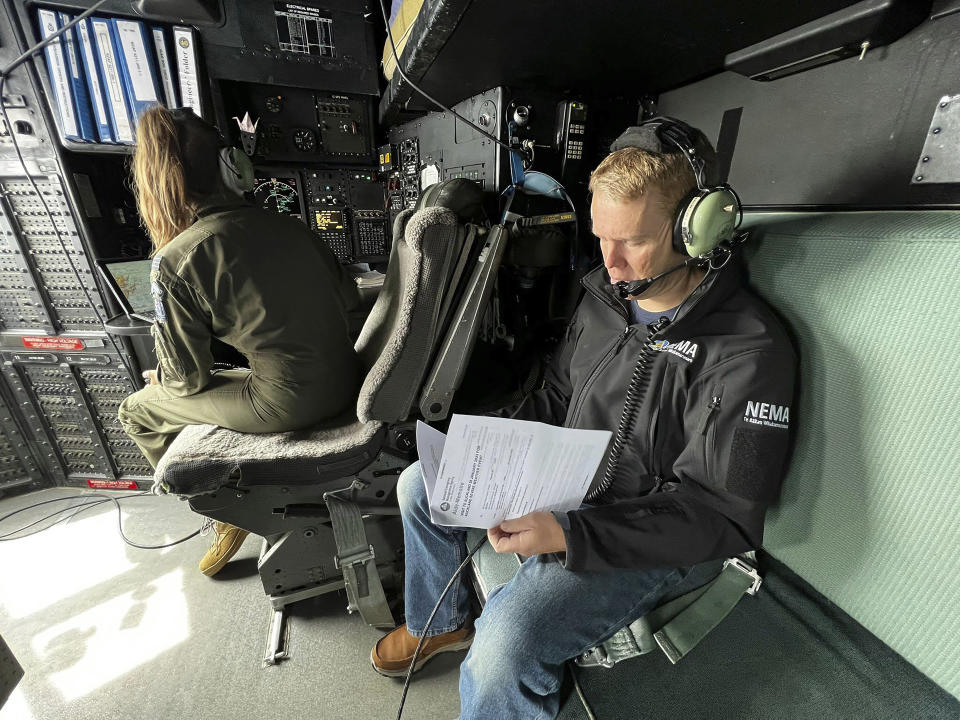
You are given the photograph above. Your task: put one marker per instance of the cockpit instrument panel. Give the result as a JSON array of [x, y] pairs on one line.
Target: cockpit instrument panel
[[298, 125], [278, 194], [344, 206]]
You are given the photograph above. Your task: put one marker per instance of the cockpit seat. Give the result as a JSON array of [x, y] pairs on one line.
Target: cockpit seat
[[205, 458], [324, 498]]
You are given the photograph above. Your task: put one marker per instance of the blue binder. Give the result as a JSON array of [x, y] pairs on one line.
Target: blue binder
[[78, 83], [121, 123], [133, 46], [162, 50], [59, 77], [95, 82]]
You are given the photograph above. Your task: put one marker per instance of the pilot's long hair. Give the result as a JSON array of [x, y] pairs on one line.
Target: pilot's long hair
[[174, 166]]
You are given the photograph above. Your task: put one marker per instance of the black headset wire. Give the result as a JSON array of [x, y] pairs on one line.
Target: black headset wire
[[576, 686], [23, 165], [636, 391], [396, 59], [423, 637], [89, 501]]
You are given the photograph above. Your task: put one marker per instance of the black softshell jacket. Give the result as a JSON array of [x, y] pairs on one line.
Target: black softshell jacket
[[708, 449]]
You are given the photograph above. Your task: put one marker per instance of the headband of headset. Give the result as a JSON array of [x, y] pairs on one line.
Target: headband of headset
[[710, 213]]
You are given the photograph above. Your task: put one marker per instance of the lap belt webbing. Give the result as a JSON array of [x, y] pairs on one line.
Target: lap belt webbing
[[681, 634], [678, 625], [355, 557]]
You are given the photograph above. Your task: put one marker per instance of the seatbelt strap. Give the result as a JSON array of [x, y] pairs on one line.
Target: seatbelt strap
[[356, 559], [637, 638], [681, 634]]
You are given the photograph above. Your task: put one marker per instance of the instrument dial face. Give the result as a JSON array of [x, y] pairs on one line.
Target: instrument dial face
[[278, 195], [274, 103], [304, 140]]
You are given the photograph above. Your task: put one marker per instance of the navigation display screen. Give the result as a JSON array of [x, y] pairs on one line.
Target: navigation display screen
[[277, 194]]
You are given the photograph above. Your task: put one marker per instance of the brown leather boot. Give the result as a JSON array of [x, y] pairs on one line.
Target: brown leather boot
[[392, 654], [225, 545]]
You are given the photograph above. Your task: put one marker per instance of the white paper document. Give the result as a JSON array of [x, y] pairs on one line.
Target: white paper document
[[487, 470]]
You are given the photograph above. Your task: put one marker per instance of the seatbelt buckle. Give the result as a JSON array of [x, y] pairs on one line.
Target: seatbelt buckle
[[357, 558], [748, 570], [595, 657]]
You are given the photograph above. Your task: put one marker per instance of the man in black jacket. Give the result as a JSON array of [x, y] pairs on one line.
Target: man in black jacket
[[706, 373]]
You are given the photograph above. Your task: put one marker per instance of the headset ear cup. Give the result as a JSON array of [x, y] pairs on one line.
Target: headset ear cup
[[244, 166], [236, 170], [678, 245], [708, 219]]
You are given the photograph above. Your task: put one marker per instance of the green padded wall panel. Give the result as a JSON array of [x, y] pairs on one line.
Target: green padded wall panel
[[870, 511]]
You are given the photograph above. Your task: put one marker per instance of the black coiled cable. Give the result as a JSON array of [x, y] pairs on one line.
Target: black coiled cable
[[636, 391]]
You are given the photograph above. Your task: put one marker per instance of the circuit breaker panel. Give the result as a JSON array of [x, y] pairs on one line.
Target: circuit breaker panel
[[46, 282], [19, 468], [72, 400], [63, 376], [66, 376]]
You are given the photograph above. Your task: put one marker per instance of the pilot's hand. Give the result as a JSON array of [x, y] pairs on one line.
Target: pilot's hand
[[150, 377], [533, 534]]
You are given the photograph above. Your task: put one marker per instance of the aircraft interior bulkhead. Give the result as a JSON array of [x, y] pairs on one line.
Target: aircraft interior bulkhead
[[602, 354]]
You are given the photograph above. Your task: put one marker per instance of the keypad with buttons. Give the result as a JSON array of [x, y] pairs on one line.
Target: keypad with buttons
[[339, 242], [372, 236]]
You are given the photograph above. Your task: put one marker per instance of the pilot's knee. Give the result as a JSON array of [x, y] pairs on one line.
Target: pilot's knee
[[133, 413], [498, 659], [126, 413], [411, 494]]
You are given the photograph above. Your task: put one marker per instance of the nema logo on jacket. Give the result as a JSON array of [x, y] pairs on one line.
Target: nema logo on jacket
[[761, 413]]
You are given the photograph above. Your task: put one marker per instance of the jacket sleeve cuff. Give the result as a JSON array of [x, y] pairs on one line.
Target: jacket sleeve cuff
[[564, 520]]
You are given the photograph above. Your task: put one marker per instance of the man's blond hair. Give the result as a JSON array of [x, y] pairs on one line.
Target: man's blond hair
[[630, 173]]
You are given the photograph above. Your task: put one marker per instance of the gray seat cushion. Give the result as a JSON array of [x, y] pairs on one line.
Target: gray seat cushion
[[205, 457]]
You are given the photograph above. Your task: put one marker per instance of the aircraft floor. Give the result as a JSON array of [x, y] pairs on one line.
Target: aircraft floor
[[104, 630]]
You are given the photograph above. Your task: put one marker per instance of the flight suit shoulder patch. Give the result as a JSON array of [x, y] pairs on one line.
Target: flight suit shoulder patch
[[157, 291]]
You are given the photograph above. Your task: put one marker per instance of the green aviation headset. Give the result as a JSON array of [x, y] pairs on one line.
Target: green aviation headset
[[710, 213], [236, 170]]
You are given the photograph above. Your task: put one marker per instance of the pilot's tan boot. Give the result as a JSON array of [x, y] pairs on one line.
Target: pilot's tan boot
[[392, 654], [226, 542]]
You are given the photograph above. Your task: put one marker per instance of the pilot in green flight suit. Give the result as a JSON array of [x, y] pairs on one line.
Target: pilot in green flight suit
[[260, 282]]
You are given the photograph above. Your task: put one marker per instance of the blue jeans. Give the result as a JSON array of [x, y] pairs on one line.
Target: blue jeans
[[529, 627]]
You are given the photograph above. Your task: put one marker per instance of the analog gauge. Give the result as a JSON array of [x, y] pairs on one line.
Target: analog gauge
[[277, 194], [304, 139], [274, 103]]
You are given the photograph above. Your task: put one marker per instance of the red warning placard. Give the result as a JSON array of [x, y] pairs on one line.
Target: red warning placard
[[113, 484], [53, 343]]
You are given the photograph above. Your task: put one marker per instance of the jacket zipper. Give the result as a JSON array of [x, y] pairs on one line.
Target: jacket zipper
[[605, 359], [706, 428]]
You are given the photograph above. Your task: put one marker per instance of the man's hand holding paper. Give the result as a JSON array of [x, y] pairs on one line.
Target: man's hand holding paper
[[492, 470], [535, 534]]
